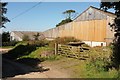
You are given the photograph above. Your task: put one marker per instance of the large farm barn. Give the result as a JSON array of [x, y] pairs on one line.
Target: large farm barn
[[91, 26]]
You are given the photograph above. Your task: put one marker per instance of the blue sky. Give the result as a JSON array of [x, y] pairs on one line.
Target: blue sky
[[44, 16]]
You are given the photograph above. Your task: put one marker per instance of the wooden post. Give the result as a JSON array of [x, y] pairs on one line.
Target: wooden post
[[56, 48]]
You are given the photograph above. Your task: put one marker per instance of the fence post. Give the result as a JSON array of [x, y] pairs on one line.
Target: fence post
[[56, 48]]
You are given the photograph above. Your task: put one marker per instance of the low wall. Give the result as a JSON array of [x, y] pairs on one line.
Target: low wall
[[93, 43]]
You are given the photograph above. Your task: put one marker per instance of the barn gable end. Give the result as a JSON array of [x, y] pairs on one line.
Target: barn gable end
[[93, 13]]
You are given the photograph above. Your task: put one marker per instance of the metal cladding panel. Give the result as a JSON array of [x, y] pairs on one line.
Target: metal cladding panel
[[49, 33], [56, 32], [94, 30], [98, 15], [91, 14], [65, 30]]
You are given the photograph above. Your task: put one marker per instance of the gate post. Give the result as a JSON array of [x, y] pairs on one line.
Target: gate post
[[56, 48]]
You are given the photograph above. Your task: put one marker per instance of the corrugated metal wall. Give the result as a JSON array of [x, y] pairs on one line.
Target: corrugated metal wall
[[91, 25], [91, 14], [93, 30]]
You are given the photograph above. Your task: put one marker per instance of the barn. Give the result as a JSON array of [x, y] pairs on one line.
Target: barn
[[91, 26], [18, 35]]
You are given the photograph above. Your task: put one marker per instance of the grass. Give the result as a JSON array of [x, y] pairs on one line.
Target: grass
[[36, 53], [90, 68], [19, 43], [6, 47], [53, 58], [93, 67], [77, 69]]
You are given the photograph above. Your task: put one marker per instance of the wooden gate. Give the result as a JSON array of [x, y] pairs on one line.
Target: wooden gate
[[77, 52]]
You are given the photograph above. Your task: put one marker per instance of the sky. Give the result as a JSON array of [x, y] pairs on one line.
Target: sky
[[42, 17]]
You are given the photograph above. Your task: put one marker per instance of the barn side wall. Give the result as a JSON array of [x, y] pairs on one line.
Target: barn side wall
[[93, 31], [91, 27]]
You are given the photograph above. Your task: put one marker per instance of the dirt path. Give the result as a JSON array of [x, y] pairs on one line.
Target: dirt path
[[2, 50], [51, 73], [17, 70], [10, 68], [7, 49], [14, 69]]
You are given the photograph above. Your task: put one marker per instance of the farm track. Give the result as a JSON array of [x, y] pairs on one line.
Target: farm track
[[23, 71], [13, 69], [2, 50]]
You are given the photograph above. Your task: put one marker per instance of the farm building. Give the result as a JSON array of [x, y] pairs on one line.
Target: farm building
[[18, 35], [91, 26]]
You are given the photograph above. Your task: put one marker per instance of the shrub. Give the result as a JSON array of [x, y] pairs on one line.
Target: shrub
[[62, 40], [19, 51], [38, 43], [111, 46], [98, 64], [26, 38], [22, 43], [64, 22], [65, 40], [11, 43]]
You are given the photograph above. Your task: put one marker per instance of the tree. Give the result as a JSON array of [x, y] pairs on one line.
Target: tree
[[5, 37], [3, 10], [116, 26], [36, 36], [64, 22], [68, 19], [69, 13]]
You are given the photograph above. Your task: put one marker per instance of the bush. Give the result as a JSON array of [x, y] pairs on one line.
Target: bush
[[12, 43], [62, 40], [26, 38], [98, 64], [65, 40], [111, 46], [38, 43], [64, 22], [19, 51]]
